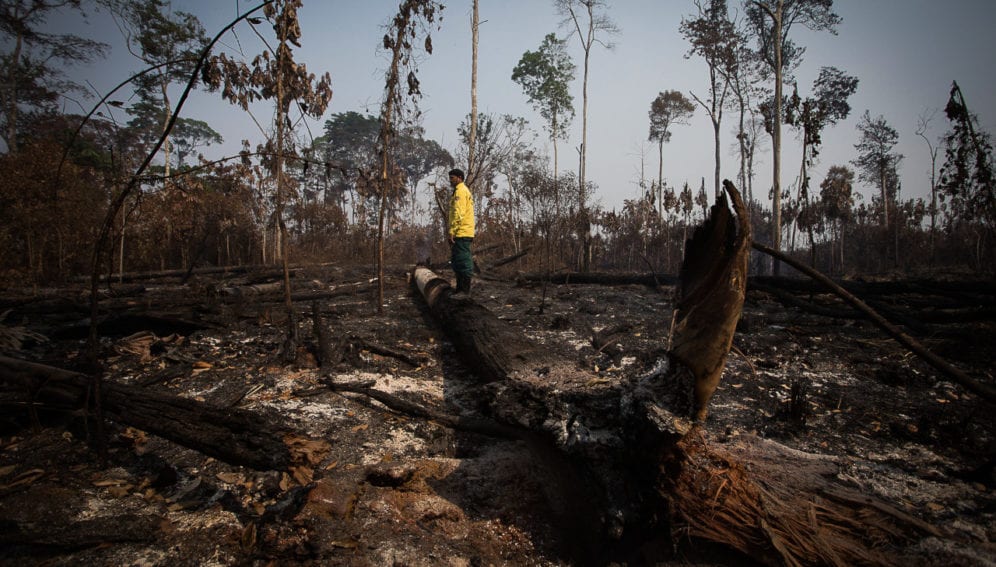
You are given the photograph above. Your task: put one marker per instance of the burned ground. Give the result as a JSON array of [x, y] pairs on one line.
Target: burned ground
[[382, 487]]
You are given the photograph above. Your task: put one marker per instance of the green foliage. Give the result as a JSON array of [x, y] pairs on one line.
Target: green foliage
[[31, 77], [668, 109], [350, 140], [816, 15], [828, 105], [545, 76], [170, 40], [877, 163], [712, 35], [836, 192], [190, 134]]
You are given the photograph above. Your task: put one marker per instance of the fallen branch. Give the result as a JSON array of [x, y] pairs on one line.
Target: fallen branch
[[470, 424], [984, 391], [506, 260], [601, 278]]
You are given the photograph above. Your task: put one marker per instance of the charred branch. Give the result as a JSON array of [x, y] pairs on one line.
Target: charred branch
[[232, 435], [600, 278], [983, 390]]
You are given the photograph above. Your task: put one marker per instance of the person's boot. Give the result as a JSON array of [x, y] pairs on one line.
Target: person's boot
[[460, 284]]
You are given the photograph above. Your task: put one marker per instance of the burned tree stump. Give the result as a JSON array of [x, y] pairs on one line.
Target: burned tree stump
[[648, 468], [713, 286]]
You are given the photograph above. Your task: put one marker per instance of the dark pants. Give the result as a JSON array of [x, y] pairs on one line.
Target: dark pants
[[463, 262]]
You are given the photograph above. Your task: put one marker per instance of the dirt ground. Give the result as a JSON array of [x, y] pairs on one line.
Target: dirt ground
[[389, 489]]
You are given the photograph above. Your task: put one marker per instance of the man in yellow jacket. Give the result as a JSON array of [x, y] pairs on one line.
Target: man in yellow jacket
[[461, 231]]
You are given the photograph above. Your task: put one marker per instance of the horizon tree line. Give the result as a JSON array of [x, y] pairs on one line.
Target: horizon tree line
[[327, 203]]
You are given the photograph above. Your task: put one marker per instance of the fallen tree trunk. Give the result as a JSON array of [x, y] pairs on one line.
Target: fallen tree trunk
[[648, 469], [231, 435], [506, 260], [983, 390], [600, 278]]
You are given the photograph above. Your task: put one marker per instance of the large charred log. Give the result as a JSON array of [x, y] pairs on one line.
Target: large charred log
[[600, 278], [633, 443], [232, 435]]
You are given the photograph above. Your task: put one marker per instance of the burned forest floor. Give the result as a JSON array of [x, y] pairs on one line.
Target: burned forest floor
[[382, 487]]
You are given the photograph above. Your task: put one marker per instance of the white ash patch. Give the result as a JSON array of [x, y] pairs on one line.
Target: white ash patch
[[399, 443], [100, 504], [200, 394], [308, 410], [395, 383]]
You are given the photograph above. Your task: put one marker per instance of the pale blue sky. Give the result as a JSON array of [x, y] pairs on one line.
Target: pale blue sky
[[904, 52]]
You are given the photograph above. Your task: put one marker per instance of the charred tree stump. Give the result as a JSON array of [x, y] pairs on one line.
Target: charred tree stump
[[231, 435], [648, 468]]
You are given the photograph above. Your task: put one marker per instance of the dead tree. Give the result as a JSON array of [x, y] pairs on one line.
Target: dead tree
[[636, 447]]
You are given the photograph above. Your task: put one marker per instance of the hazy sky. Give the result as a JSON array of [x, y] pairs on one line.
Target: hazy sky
[[905, 54]]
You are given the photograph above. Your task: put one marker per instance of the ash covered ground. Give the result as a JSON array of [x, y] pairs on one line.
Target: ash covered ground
[[386, 488]]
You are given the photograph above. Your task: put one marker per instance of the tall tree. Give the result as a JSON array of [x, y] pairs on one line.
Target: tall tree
[[190, 134], [499, 139], [745, 88], [877, 163], [923, 124], [713, 38], [170, 42], [828, 105], [771, 21], [967, 173], [545, 76], [417, 157], [30, 75], [277, 77], [836, 194], [475, 22], [412, 15], [586, 19], [668, 109], [350, 143]]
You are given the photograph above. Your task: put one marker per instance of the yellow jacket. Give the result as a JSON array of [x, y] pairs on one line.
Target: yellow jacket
[[461, 212]]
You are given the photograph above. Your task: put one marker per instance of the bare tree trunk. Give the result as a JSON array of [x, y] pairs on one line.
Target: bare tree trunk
[[471, 172], [10, 106], [166, 139], [776, 139], [290, 343]]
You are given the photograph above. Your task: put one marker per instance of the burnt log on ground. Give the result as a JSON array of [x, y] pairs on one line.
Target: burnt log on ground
[[206, 271], [232, 435], [649, 469], [982, 389], [965, 292], [600, 278]]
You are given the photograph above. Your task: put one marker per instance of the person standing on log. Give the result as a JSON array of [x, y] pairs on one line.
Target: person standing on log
[[461, 231]]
